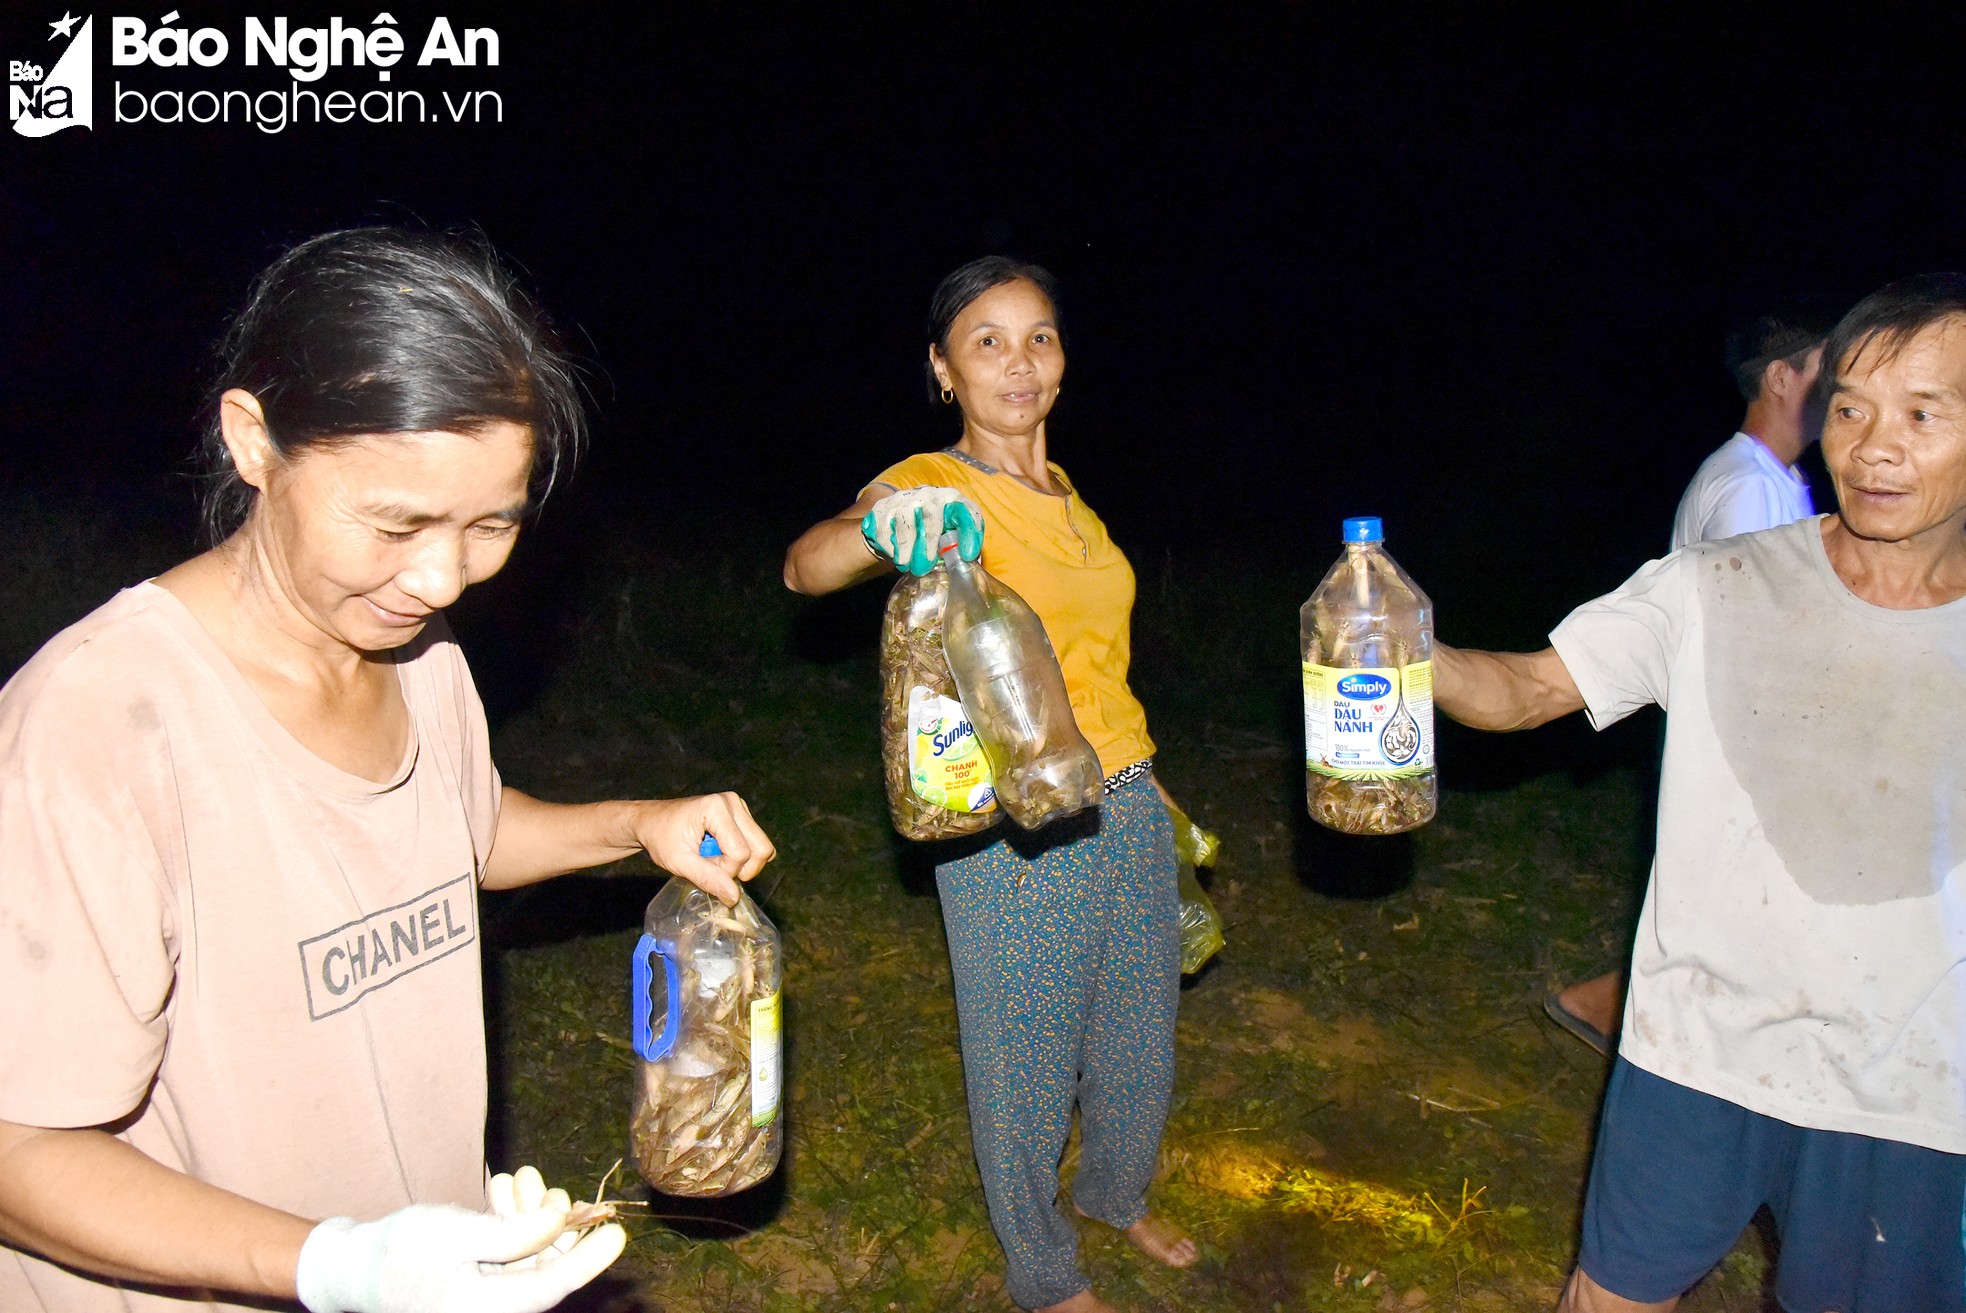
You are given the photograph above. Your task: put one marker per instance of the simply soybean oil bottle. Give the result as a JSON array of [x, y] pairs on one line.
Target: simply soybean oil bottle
[[1367, 639]]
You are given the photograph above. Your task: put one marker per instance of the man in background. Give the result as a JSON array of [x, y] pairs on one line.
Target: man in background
[[1750, 483]]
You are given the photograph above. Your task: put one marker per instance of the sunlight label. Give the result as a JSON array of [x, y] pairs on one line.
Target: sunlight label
[[946, 765], [1369, 724]]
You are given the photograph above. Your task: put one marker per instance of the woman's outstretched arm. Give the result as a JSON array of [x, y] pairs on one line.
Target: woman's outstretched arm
[[833, 554]]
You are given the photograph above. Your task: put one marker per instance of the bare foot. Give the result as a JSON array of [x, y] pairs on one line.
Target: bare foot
[[1599, 1001], [1083, 1302], [1160, 1240]]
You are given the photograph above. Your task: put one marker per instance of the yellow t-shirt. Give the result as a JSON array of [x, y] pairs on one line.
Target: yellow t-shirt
[[1059, 558]]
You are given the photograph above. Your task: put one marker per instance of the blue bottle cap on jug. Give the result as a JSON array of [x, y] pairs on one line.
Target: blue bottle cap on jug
[[709, 848], [1364, 529]]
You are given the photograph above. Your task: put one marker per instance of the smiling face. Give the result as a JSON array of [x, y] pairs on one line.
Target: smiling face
[[367, 538], [1895, 436], [1004, 361]]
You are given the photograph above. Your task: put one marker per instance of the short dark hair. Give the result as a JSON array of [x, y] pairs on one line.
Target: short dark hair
[[390, 330], [1890, 317], [954, 293], [1788, 335]]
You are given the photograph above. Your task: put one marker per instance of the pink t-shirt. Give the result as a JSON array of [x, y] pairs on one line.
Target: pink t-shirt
[[269, 966]]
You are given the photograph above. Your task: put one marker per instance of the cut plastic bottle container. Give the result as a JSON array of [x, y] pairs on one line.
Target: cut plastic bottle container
[[1009, 682], [939, 781], [1367, 640], [706, 1119]]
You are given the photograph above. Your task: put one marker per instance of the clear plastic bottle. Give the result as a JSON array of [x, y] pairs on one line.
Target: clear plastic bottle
[[939, 782], [1367, 640], [1010, 683], [706, 1118]]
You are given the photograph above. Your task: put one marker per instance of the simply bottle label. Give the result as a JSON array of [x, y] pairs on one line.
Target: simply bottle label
[[1367, 723]]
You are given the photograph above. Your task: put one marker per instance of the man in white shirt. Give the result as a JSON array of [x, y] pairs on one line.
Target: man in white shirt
[[1750, 483], [1793, 1037]]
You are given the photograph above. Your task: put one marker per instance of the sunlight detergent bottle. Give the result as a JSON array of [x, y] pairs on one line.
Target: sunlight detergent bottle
[[1367, 639], [939, 781], [1011, 686], [706, 1110]]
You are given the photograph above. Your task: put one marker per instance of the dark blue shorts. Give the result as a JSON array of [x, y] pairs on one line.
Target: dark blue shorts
[[1864, 1224]]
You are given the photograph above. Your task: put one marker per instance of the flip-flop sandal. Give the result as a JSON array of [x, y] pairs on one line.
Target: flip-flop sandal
[[1576, 1025]]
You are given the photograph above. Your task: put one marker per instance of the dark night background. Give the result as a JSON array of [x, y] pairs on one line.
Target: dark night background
[[1470, 273]]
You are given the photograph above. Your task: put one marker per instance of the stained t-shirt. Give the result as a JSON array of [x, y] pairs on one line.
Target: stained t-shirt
[[271, 965], [1802, 947], [1056, 554]]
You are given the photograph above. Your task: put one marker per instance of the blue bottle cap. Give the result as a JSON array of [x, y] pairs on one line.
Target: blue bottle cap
[[1364, 529], [709, 848]]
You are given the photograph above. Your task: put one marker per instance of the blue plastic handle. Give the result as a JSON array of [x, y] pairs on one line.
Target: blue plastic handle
[[654, 1048]]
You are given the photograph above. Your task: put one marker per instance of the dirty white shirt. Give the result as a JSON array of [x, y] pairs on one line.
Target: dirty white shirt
[[1802, 948]]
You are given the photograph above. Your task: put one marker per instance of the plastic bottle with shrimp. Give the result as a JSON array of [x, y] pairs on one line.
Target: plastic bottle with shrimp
[[1367, 641], [704, 1012], [1014, 693]]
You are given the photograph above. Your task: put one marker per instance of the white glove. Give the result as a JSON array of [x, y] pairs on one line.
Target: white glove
[[438, 1258], [906, 526], [524, 1191]]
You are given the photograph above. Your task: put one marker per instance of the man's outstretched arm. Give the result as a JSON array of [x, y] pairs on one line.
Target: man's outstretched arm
[[1503, 690]]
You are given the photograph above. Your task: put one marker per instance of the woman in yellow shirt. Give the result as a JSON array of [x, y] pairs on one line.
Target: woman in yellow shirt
[[1064, 943]]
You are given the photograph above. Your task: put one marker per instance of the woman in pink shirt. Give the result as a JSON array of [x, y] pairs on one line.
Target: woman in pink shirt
[[245, 810]]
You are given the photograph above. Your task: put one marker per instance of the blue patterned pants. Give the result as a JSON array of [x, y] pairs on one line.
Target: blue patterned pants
[[1066, 984]]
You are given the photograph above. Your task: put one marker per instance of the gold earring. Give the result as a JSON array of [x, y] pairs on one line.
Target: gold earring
[[947, 396]]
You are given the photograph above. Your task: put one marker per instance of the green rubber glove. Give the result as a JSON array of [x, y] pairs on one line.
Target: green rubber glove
[[898, 527]]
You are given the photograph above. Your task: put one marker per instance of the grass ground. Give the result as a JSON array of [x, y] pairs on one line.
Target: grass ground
[[1370, 1113]]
